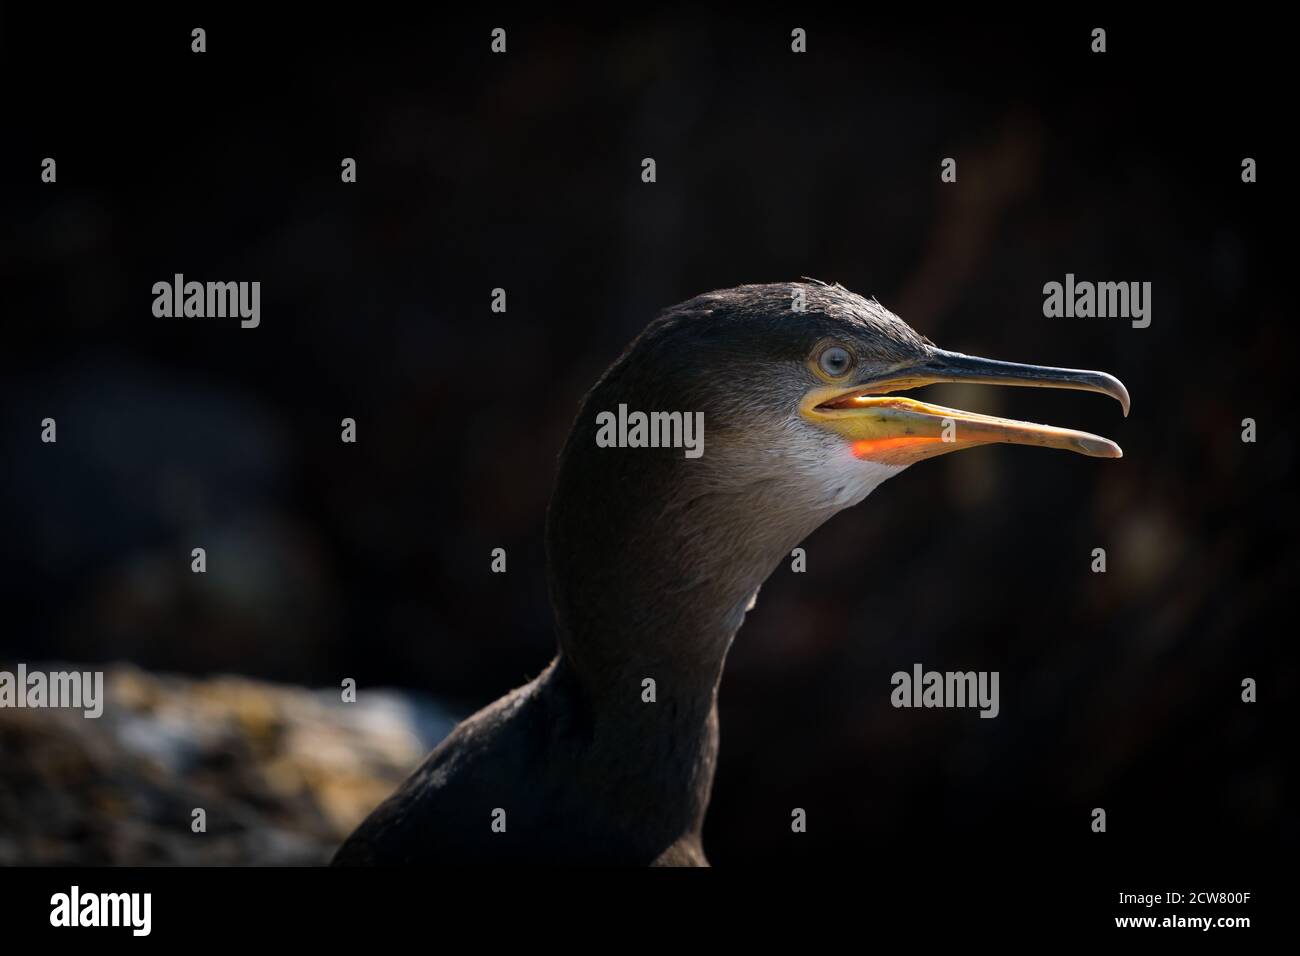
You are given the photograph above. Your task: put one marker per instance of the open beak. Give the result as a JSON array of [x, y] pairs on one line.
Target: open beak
[[893, 430]]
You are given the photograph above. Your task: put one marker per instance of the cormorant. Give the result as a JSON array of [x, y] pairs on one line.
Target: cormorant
[[655, 557]]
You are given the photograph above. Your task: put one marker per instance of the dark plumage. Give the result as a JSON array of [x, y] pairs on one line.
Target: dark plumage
[[655, 559]]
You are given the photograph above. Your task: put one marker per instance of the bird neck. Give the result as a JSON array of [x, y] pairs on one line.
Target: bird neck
[[644, 634], [653, 566]]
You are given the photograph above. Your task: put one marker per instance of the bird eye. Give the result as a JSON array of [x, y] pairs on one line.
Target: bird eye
[[835, 361]]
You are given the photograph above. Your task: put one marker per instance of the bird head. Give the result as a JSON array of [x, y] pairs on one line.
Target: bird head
[[866, 354], [799, 385], [804, 380]]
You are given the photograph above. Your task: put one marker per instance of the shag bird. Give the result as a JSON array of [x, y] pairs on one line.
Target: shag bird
[[655, 557]]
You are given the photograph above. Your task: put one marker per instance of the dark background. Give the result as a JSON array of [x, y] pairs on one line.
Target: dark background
[[522, 171]]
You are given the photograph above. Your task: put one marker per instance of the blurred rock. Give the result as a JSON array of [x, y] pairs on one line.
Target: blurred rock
[[283, 773]]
